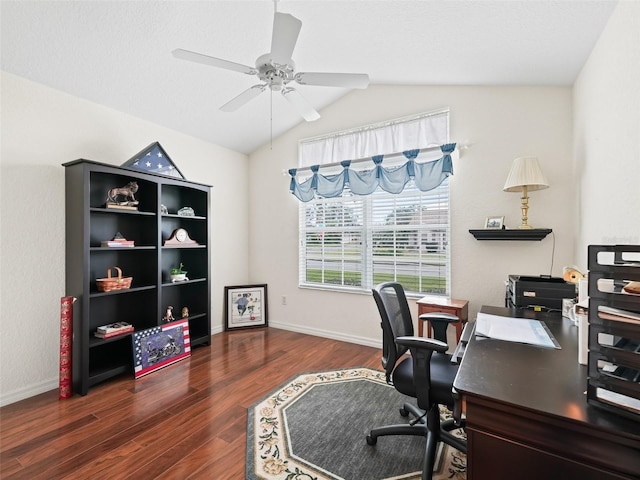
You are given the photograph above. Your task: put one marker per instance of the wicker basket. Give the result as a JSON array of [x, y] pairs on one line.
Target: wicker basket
[[110, 283]]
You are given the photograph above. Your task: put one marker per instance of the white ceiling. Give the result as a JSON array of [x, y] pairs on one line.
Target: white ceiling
[[118, 53]]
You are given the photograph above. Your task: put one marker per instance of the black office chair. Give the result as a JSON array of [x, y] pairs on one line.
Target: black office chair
[[426, 375]]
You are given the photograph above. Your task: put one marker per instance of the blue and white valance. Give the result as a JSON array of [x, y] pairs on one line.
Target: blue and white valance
[[426, 176]]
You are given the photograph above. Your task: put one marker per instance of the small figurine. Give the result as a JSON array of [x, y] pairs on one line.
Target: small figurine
[[185, 312], [168, 317], [163, 209], [127, 192], [186, 212], [571, 274]]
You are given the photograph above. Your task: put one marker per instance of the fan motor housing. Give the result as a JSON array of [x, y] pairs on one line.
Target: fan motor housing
[[273, 74]]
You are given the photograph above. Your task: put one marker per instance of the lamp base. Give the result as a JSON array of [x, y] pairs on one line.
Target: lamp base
[[525, 209]]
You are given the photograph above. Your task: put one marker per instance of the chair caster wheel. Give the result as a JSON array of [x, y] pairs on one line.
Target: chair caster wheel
[[371, 440], [404, 412]]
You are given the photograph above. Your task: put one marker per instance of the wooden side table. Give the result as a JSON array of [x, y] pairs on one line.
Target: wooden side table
[[459, 308]]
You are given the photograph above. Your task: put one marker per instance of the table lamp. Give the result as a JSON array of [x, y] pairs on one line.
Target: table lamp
[[525, 175]]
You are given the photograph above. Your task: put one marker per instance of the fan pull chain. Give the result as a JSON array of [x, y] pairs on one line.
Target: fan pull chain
[[271, 119]]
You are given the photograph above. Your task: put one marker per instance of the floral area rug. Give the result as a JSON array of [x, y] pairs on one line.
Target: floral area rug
[[314, 427]]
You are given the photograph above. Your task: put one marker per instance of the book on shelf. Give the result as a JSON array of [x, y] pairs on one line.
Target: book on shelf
[[114, 327], [114, 334], [117, 243], [118, 206]]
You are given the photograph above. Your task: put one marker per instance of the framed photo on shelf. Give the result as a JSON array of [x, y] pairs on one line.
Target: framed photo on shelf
[[494, 223], [245, 306]]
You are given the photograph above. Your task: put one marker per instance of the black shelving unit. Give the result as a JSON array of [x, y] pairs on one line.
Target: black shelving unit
[[511, 234], [89, 222], [614, 339]]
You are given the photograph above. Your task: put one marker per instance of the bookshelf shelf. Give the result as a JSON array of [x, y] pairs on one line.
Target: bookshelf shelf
[[533, 234]]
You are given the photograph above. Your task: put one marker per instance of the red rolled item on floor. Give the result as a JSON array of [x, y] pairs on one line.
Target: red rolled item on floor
[[66, 335]]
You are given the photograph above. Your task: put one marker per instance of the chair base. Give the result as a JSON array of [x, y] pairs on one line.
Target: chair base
[[428, 426], [417, 429]]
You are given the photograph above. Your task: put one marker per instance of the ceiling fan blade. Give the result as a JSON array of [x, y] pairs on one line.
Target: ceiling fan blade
[[302, 106], [346, 80], [212, 61], [284, 37], [237, 102]]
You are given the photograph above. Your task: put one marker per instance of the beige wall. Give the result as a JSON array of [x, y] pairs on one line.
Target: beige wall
[[587, 139], [607, 136], [501, 124], [41, 129], [588, 142]]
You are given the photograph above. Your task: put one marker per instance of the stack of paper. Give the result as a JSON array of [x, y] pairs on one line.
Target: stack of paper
[[610, 313], [511, 329]]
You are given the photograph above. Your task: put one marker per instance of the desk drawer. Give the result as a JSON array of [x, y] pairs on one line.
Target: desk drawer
[[540, 446], [497, 458], [429, 309]]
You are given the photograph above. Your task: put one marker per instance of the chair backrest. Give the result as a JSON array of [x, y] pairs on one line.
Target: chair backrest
[[396, 322]]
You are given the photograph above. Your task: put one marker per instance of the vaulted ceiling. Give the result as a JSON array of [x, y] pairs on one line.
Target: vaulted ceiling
[[118, 53]]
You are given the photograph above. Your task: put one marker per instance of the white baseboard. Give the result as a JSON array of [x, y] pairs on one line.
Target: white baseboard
[[218, 329], [368, 342], [28, 392]]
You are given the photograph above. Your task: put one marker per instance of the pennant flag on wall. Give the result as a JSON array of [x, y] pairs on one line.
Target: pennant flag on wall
[[154, 159]]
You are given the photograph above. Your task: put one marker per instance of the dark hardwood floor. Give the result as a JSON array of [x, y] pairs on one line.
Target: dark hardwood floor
[[187, 421]]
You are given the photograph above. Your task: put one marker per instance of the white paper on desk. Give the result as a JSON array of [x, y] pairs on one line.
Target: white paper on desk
[[511, 329]]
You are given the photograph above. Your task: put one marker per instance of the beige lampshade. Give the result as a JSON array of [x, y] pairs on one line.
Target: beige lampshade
[[525, 171]]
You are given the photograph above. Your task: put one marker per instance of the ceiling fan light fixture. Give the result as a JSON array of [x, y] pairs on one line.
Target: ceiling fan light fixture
[[266, 62], [274, 75], [276, 83], [276, 69]]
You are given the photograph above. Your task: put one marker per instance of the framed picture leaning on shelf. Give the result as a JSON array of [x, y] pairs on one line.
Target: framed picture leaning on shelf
[[245, 306], [158, 347]]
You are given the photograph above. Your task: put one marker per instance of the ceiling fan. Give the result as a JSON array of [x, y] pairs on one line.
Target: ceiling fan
[[276, 70]]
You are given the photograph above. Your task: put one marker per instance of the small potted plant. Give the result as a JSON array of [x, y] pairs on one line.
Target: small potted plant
[[178, 274]]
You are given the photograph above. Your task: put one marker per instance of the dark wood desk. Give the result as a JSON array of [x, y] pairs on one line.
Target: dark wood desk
[[527, 413]]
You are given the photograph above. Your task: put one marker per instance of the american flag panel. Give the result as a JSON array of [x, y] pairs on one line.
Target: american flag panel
[[160, 346]]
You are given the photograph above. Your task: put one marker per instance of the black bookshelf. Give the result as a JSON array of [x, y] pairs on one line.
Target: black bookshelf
[[89, 222]]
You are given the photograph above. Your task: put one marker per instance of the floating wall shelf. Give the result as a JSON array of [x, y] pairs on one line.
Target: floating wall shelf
[[511, 234]]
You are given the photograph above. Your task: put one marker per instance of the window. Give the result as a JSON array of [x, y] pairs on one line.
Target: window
[[353, 242], [356, 242]]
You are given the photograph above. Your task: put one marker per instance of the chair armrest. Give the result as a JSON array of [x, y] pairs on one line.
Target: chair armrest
[[423, 343], [445, 317]]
